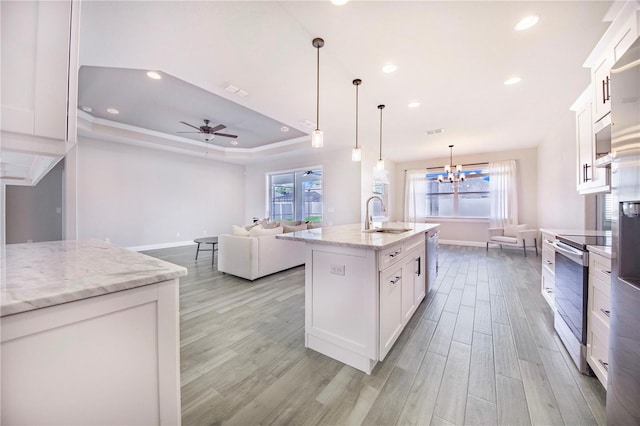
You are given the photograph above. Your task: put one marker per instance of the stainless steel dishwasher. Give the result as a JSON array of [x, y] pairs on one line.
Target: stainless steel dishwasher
[[432, 258]]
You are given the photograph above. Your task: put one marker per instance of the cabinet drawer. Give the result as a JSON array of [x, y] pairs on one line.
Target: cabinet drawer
[[389, 256], [599, 299], [600, 267], [598, 350], [413, 243], [549, 258], [547, 287]]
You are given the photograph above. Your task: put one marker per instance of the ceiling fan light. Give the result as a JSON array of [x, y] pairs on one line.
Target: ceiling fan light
[[207, 137], [356, 154], [317, 138]]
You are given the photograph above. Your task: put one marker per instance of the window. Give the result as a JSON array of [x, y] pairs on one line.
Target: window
[[381, 190], [469, 198], [604, 212], [295, 195]]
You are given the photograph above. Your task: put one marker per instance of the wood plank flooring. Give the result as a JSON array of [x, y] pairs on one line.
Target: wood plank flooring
[[480, 350]]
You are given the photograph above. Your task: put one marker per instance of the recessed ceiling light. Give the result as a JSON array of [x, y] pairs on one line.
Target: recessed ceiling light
[[526, 22], [284, 129], [86, 109], [389, 68], [242, 93], [113, 111], [154, 75], [512, 80], [234, 142], [414, 104], [339, 2]]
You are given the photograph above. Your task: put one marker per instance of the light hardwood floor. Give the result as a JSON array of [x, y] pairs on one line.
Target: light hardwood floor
[[480, 350]]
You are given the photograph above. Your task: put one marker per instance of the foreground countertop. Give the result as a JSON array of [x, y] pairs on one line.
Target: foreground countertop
[[45, 274], [352, 235]]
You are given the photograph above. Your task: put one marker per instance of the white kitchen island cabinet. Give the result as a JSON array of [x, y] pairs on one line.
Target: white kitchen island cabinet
[[361, 289], [89, 335]]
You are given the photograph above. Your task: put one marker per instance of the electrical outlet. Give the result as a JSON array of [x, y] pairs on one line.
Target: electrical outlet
[[29, 241], [337, 269], [58, 210]]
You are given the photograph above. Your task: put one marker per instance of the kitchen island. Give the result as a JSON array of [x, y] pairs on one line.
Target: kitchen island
[[362, 287], [89, 334]]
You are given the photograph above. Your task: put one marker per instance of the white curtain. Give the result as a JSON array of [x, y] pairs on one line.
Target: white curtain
[[503, 188], [415, 189]]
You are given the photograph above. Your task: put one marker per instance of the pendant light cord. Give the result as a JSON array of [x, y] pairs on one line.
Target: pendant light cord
[[380, 107], [356, 116], [318, 89]]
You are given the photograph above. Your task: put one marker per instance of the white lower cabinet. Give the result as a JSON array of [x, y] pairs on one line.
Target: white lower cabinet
[[599, 310], [392, 307], [548, 269], [112, 359]]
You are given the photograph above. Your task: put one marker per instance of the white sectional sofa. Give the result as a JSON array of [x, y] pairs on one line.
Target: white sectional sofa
[[252, 257]]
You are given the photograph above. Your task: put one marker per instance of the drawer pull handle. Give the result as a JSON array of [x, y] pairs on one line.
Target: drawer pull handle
[[395, 253], [548, 262], [605, 365], [548, 241], [548, 291], [419, 260], [607, 313], [607, 272], [395, 281]]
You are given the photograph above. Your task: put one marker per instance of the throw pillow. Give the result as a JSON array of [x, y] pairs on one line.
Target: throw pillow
[[512, 230], [239, 231], [294, 228], [270, 225], [259, 231]]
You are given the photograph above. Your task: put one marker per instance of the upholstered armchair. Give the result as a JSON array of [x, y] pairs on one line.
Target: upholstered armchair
[[513, 235]]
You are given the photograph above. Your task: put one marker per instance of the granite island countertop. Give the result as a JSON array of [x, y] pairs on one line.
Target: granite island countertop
[[353, 235], [38, 275]]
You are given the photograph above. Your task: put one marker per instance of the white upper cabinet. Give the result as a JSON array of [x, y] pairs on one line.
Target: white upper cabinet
[[39, 80], [614, 43]]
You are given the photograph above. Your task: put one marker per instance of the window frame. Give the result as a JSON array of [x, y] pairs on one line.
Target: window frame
[[296, 202], [433, 177]]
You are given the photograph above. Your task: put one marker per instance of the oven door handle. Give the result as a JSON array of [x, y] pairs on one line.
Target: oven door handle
[[567, 249]]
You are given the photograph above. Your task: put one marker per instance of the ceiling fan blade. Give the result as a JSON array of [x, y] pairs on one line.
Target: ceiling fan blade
[[226, 135], [188, 132], [218, 127], [190, 125]]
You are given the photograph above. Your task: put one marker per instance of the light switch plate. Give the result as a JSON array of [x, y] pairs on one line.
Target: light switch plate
[[337, 269]]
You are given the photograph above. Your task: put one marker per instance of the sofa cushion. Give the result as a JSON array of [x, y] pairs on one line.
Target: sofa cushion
[[240, 231], [294, 228], [259, 231], [512, 230], [506, 240]]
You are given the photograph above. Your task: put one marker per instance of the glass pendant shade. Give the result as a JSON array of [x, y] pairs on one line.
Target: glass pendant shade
[[447, 168], [380, 164], [356, 154], [317, 138]]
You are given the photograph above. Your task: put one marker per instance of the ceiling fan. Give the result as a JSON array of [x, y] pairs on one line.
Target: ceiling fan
[[208, 132]]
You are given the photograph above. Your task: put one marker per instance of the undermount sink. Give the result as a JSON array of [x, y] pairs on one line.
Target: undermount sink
[[387, 230]]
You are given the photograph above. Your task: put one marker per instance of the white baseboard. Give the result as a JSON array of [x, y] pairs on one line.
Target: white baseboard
[[463, 243], [161, 246], [482, 244]]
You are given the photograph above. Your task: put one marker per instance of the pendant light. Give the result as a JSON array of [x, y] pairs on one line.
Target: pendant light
[[356, 153], [380, 163], [317, 135], [452, 176]]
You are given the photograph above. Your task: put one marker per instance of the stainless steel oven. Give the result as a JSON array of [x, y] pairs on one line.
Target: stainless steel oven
[[571, 289]]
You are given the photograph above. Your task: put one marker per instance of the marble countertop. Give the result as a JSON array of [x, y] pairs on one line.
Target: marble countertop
[[352, 235], [601, 250], [587, 232], [45, 274]]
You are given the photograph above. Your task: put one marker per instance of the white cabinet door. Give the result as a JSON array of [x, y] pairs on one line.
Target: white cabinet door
[[601, 88], [584, 135], [36, 40], [409, 271], [391, 316]]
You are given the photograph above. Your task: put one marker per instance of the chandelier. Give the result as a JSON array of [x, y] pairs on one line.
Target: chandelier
[[452, 176]]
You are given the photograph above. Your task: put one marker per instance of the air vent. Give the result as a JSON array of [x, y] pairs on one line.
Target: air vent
[[434, 131]]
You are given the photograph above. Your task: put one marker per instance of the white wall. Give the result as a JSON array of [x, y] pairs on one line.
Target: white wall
[[139, 197], [35, 212], [560, 206], [341, 184], [476, 231]]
